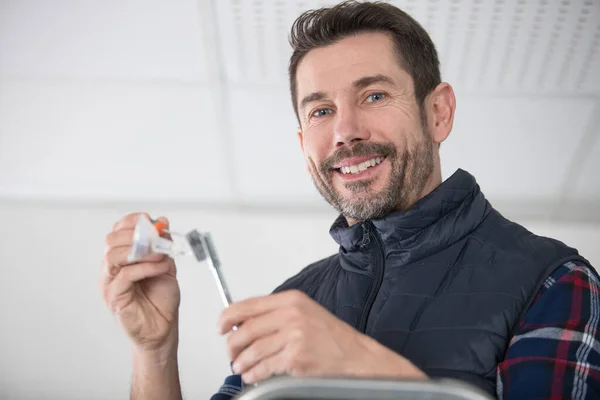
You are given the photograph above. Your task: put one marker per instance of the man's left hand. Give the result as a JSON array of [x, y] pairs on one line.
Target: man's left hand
[[289, 333]]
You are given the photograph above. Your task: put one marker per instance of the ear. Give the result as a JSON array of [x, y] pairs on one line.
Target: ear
[[301, 140], [441, 105]]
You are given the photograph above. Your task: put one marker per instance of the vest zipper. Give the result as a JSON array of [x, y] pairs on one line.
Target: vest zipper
[[377, 278]]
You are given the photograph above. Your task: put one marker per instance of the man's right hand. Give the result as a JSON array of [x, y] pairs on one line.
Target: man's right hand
[[143, 296]]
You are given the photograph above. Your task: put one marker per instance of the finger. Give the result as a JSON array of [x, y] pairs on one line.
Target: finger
[[258, 351], [123, 237], [129, 221], [118, 257], [268, 367], [131, 274], [112, 262], [253, 330], [239, 312]]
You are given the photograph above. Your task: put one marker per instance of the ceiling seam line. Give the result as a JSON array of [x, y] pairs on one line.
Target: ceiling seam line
[[101, 80], [512, 210], [219, 88], [580, 155]]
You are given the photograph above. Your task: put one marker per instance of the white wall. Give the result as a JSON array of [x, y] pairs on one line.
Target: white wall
[[58, 341]]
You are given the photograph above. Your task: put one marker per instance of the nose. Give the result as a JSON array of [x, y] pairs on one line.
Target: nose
[[347, 128]]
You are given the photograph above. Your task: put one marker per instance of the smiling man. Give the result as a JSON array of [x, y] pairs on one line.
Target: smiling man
[[367, 141], [430, 280]]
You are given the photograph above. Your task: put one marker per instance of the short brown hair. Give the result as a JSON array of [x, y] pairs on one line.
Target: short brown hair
[[325, 26]]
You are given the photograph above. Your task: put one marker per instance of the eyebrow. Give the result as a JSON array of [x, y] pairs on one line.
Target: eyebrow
[[360, 83], [369, 80], [316, 96]]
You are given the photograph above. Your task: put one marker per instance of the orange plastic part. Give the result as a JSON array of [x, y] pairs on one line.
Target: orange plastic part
[[160, 226]]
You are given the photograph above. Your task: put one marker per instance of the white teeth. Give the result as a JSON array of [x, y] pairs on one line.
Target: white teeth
[[355, 169]]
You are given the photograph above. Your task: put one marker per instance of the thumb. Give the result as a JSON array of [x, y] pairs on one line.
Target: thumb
[[164, 220]]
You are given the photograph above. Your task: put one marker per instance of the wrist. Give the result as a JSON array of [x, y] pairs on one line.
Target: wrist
[[158, 355], [156, 373], [155, 356]]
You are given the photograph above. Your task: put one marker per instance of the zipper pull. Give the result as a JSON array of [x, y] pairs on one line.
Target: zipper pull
[[366, 239]]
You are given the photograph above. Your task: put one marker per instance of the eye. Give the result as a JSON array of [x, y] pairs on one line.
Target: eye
[[375, 97], [321, 112]]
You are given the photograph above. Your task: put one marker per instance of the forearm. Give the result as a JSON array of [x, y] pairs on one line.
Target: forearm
[[156, 375]]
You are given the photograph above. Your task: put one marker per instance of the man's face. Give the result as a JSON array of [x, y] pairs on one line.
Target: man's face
[[365, 142]]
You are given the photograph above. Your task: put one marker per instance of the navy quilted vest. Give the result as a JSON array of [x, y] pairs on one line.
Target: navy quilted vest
[[443, 284]]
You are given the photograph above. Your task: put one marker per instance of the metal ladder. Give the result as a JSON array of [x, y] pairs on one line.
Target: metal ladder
[[289, 388]]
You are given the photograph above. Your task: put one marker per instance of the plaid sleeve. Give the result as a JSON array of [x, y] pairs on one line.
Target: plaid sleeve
[[232, 386], [555, 353]]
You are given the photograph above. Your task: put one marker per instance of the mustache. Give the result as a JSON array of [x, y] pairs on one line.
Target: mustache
[[358, 150]]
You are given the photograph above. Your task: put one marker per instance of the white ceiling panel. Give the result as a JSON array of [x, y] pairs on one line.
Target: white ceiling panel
[[126, 39], [110, 142], [518, 148], [515, 46], [500, 46], [586, 185], [269, 164], [254, 37]]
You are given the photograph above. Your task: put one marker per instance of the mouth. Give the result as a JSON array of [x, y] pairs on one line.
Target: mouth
[[358, 168]]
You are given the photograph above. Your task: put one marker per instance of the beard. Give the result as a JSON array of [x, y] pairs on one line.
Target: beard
[[410, 171]]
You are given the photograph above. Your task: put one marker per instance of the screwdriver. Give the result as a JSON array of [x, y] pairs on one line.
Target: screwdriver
[[204, 249]]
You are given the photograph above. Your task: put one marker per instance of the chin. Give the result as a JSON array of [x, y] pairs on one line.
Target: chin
[[376, 186]]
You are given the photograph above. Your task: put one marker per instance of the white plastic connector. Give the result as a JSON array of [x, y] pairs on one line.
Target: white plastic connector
[[146, 241]]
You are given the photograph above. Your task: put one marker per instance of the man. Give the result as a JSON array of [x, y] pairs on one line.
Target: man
[[430, 281]]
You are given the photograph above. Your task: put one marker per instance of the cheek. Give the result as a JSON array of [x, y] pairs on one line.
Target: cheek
[[316, 146], [395, 123], [312, 166]]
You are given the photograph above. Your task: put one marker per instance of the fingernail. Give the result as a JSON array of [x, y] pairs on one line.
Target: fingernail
[[236, 368]]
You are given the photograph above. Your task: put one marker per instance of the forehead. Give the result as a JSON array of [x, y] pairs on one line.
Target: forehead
[[336, 66]]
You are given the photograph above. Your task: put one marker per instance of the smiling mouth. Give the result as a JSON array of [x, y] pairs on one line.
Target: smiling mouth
[[360, 167]]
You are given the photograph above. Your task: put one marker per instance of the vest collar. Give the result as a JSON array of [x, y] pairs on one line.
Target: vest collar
[[447, 214]]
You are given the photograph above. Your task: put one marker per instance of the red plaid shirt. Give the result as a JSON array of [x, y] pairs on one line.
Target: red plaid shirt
[[555, 353]]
